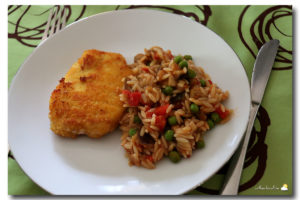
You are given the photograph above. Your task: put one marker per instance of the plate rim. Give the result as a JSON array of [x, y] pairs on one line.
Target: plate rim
[[142, 10]]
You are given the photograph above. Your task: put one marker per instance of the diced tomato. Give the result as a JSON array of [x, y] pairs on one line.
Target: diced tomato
[[161, 110], [126, 93], [149, 157], [149, 114], [135, 98], [223, 115], [210, 81], [160, 122], [145, 69]]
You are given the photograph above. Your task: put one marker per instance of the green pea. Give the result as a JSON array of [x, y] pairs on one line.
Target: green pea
[[177, 59], [215, 117], [167, 90], [210, 123], [132, 132], [194, 108], [174, 156], [172, 120], [169, 135], [188, 57], [203, 83], [183, 64], [200, 144], [136, 119], [191, 74]]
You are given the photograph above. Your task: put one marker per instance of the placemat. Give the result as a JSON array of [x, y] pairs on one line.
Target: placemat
[[268, 166]]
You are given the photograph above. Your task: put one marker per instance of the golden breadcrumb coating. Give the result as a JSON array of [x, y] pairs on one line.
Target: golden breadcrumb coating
[[87, 100]]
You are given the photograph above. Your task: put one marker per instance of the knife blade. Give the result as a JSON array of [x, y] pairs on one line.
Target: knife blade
[[260, 76], [262, 70]]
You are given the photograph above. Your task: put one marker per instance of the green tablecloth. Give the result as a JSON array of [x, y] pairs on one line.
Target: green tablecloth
[[269, 160]]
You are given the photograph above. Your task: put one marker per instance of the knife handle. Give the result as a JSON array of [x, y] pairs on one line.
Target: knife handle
[[233, 176]]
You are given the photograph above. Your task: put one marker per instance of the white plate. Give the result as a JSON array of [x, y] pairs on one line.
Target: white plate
[[98, 166]]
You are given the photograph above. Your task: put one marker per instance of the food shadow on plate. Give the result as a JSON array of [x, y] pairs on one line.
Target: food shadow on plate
[[94, 156], [106, 157]]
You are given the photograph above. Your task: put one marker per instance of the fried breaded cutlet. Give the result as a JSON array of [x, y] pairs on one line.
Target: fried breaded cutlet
[[86, 100]]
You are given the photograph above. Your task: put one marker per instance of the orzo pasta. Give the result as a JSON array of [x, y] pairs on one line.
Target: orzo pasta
[[170, 104]]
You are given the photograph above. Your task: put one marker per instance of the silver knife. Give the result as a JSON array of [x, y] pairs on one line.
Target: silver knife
[[260, 76]]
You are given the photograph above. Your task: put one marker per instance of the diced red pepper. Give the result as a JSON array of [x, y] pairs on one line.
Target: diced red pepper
[[146, 69], [222, 114], [161, 110], [160, 122], [210, 81]]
